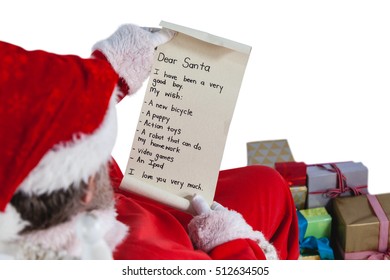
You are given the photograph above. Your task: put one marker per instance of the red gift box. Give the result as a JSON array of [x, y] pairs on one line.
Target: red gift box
[[293, 172]]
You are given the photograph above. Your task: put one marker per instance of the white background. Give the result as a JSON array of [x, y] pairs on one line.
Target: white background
[[59, 270], [318, 74]]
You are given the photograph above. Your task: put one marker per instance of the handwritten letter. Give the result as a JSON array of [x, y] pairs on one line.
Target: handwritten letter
[[184, 121]]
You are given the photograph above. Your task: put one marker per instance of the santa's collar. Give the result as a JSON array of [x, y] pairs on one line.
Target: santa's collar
[[91, 235]]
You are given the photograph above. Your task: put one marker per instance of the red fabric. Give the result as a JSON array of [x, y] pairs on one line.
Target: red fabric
[[293, 172], [45, 99], [259, 193], [240, 249], [123, 86]]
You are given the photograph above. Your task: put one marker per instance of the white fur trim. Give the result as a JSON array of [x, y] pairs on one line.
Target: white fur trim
[[62, 241], [118, 230], [130, 51], [214, 228], [74, 161], [10, 224]]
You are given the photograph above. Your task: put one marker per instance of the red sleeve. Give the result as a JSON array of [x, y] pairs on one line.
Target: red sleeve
[[122, 85], [239, 249]]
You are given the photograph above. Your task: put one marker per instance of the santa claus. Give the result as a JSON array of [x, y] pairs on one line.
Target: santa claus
[[59, 190]]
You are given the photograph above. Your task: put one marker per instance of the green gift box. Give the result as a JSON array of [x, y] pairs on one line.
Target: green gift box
[[319, 222]]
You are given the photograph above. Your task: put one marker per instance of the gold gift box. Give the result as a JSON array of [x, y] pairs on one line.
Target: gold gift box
[[299, 194], [309, 257], [268, 152], [357, 227]]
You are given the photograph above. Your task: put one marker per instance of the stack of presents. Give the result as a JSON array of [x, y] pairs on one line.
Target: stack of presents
[[337, 217]]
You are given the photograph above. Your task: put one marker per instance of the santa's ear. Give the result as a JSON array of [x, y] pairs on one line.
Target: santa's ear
[[89, 191]]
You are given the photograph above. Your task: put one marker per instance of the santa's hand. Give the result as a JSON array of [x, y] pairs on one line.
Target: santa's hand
[[160, 36], [200, 205], [130, 51], [215, 225]]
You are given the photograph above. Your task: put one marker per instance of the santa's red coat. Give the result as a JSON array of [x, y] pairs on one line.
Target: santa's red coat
[[259, 193]]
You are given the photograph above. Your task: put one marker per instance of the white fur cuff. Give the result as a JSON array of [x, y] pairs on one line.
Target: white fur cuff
[[217, 227], [130, 52]]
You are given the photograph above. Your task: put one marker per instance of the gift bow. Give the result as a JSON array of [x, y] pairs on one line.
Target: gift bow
[[341, 182], [380, 256], [365, 255], [321, 245]]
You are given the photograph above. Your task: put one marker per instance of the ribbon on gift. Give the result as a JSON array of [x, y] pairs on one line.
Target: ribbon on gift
[[341, 182], [367, 255], [321, 245], [383, 252]]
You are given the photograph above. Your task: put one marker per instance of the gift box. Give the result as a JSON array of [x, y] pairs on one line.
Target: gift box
[[325, 181], [299, 194], [319, 222], [309, 257], [361, 226], [295, 175], [293, 172], [314, 232], [268, 152]]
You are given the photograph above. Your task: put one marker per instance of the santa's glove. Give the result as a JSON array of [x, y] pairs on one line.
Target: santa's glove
[[215, 225], [130, 52]]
